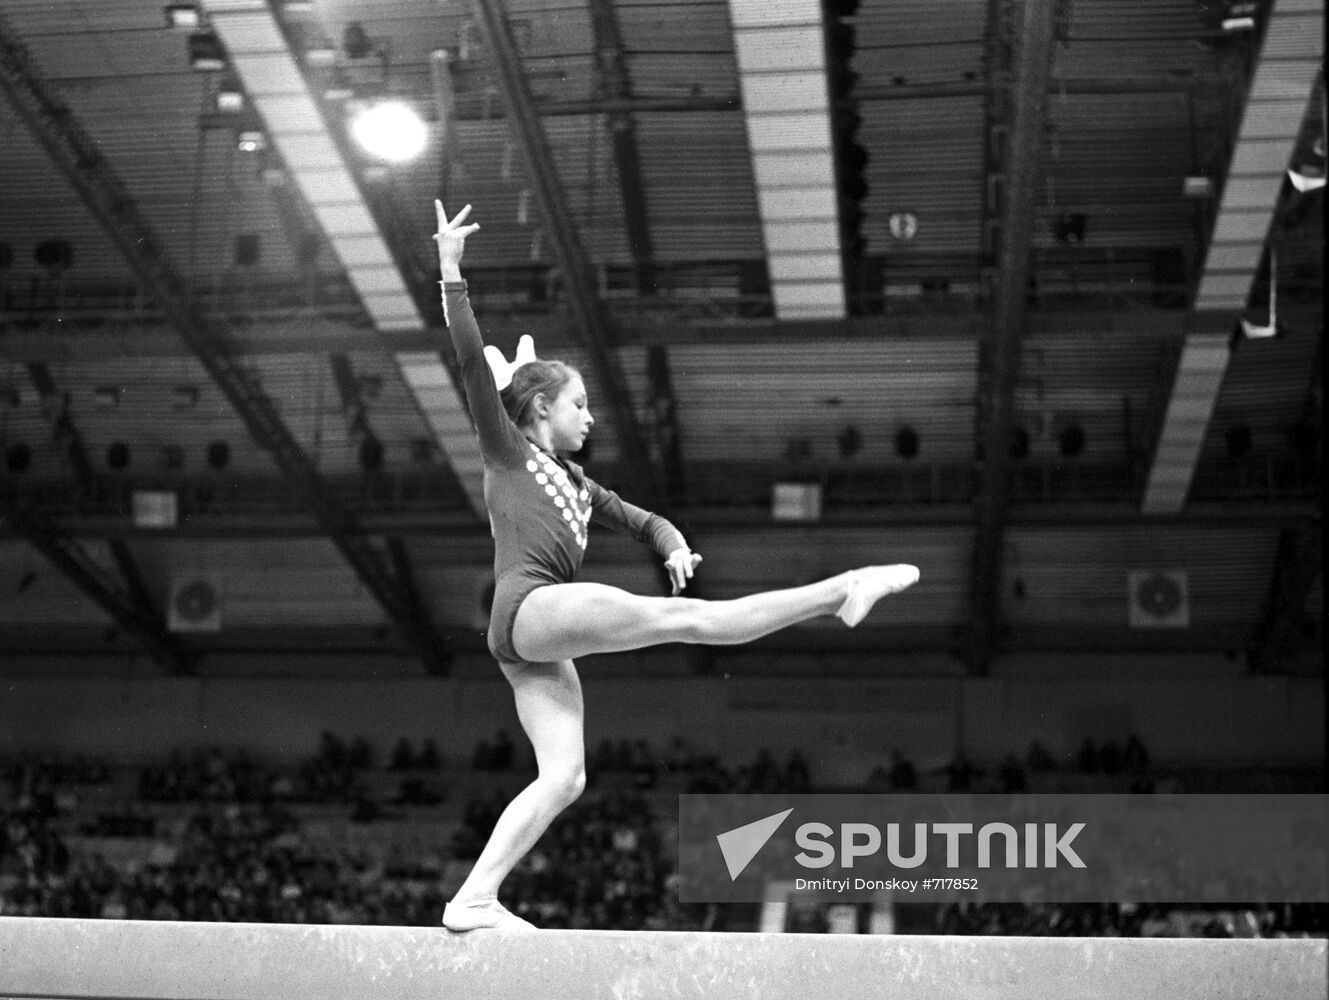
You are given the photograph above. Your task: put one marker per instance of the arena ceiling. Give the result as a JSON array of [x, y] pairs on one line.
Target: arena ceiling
[[990, 284]]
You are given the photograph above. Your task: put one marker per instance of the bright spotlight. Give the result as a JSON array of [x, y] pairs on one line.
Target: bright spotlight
[[391, 131]]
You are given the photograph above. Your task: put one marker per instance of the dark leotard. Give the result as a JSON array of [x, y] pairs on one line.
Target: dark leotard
[[539, 505]]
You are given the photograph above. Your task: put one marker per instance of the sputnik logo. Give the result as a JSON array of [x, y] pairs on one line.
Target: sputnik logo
[[741, 844]]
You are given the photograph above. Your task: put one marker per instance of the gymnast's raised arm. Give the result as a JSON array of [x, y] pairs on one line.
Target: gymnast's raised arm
[[495, 430]]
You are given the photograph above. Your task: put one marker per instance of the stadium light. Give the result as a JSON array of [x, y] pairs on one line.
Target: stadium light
[[390, 130]]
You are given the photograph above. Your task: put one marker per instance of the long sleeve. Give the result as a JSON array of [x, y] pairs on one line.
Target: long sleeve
[[500, 441], [650, 529]]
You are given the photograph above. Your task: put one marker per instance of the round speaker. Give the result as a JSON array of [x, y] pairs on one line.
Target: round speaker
[[1159, 595]]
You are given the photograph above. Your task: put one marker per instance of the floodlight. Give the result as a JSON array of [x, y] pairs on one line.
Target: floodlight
[[390, 130]]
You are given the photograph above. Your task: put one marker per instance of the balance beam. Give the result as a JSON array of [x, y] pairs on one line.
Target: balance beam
[[145, 960]]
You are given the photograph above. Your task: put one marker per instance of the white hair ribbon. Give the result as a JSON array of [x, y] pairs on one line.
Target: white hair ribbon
[[502, 369]]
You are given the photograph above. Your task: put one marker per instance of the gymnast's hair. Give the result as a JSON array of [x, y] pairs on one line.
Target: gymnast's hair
[[531, 380]]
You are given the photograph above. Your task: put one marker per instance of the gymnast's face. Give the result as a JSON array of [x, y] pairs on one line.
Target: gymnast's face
[[570, 417]]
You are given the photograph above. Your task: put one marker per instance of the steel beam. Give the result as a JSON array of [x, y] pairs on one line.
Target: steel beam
[[96, 337], [592, 326], [401, 566], [127, 605], [1299, 562], [263, 510], [999, 355], [76, 154], [614, 85], [132, 606], [664, 405]]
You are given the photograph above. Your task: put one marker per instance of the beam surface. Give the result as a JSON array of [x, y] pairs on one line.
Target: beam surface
[[147, 960]]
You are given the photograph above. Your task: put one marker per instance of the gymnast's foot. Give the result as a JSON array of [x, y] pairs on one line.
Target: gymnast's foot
[[480, 914], [869, 585]]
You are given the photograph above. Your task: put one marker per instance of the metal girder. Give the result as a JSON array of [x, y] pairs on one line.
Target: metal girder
[[53, 123], [126, 608], [401, 565], [593, 327], [1086, 86], [133, 609], [1280, 94], [999, 354], [352, 401], [614, 85], [96, 337], [664, 405], [1300, 561], [357, 418], [55, 405], [269, 508]]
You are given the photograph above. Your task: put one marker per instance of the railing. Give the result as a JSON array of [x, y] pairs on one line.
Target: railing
[[706, 295], [846, 490]]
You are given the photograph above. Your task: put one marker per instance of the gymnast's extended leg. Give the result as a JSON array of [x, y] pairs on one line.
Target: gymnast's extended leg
[[571, 620], [549, 705]]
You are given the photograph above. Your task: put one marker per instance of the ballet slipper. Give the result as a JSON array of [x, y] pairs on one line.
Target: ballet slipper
[[869, 585], [483, 914]]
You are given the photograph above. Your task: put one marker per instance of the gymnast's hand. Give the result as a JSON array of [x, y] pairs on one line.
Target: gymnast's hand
[[680, 564], [451, 240]]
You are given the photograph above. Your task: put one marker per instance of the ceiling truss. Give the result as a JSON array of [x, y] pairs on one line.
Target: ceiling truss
[[1299, 563], [999, 352], [127, 600], [76, 155], [593, 327], [1276, 105]]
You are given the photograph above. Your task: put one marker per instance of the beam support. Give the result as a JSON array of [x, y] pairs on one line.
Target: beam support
[[999, 353], [76, 154], [592, 326]]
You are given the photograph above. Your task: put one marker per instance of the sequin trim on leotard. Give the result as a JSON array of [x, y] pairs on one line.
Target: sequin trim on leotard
[[573, 503]]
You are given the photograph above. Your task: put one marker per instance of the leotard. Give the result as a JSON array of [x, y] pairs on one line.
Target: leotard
[[540, 506]]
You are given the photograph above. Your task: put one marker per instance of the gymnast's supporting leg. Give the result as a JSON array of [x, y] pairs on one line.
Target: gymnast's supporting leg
[[571, 620], [549, 705]]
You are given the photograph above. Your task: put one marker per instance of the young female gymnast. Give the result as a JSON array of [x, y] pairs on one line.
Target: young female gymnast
[[527, 414]]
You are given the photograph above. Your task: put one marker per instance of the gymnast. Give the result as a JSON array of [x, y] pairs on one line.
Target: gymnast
[[528, 414]]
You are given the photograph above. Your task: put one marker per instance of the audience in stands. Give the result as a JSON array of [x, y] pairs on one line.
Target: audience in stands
[[219, 836]]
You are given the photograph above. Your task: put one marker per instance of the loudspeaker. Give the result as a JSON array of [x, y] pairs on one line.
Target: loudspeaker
[[1158, 598], [196, 605]]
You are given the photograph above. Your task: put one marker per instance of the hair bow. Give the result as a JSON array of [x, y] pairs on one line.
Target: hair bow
[[502, 369]]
